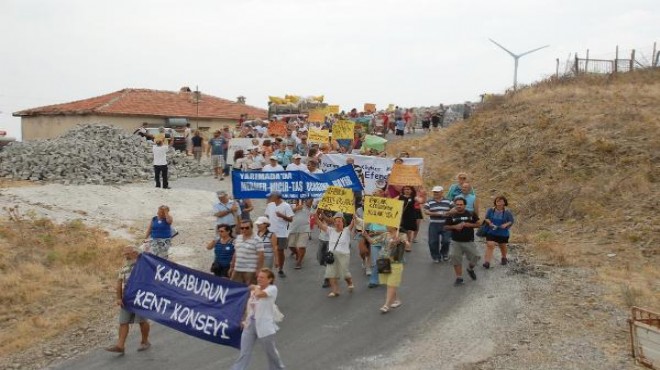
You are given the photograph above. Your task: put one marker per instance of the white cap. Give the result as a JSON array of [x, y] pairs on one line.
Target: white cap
[[437, 188], [262, 220], [273, 158]]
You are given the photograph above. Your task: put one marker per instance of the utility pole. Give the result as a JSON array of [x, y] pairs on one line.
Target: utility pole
[[516, 57], [197, 98]]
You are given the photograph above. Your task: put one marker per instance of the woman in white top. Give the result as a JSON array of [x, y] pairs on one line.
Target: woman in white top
[[339, 244], [260, 323]]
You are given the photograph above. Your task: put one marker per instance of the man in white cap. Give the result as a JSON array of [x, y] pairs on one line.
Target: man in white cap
[[280, 214], [436, 208], [297, 164], [272, 166], [226, 211]]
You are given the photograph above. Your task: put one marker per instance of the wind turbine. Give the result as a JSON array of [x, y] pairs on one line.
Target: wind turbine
[[515, 58]]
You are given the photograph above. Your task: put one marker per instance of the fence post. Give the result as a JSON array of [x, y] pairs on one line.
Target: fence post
[[657, 58], [577, 69], [616, 60], [586, 63], [557, 69], [632, 60], [653, 63]]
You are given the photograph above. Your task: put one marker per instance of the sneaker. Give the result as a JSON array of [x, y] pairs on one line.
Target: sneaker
[[445, 258], [505, 261], [281, 274], [486, 265], [395, 304], [372, 285], [472, 274], [459, 281], [436, 260], [367, 270]]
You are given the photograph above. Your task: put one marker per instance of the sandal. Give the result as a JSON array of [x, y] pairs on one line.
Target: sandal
[[384, 309], [396, 304], [350, 288], [333, 294], [115, 349], [144, 346]]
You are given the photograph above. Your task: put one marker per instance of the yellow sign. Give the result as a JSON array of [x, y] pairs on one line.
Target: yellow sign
[[343, 130], [383, 211], [405, 175], [316, 115], [277, 129], [368, 107], [318, 136], [334, 109], [338, 199]]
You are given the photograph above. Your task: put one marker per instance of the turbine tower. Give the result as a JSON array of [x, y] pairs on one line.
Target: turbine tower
[[515, 58]]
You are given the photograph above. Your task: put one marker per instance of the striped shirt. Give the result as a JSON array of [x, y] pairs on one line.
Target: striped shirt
[[433, 205], [246, 253], [267, 244]]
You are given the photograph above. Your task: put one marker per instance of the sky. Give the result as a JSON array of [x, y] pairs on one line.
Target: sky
[[409, 53]]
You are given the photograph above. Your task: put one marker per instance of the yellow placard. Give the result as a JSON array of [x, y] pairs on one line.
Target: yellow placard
[[316, 115], [318, 136], [383, 211], [343, 130], [338, 199], [334, 109], [369, 107], [277, 129], [405, 175]]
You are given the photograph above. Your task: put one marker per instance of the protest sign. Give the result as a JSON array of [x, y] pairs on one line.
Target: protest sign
[[292, 184], [240, 144], [190, 301], [333, 109], [277, 128], [403, 174], [373, 168], [318, 136], [383, 211], [369, 107], [338, 199], [316, 115], [343, 130]]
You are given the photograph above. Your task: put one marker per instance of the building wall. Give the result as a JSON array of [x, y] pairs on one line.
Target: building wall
[[48, 127]]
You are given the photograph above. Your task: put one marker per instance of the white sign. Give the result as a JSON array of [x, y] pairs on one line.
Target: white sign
[[373, 168], [240, 144]]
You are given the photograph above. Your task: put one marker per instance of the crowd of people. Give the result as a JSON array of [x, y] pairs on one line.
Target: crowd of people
[[252, 249]]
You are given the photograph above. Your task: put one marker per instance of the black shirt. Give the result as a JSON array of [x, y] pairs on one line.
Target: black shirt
[[467, 233]]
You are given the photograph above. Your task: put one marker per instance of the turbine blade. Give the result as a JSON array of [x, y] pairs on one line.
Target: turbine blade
[[503, 48], [531, 51]]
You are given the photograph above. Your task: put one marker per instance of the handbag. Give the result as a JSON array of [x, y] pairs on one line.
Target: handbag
[[384, 265], [482, 231], [329, 257]]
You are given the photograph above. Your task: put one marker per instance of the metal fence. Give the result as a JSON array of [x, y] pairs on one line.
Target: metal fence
[[577, 65]]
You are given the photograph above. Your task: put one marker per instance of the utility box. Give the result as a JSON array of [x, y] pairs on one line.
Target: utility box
[[645, 337]]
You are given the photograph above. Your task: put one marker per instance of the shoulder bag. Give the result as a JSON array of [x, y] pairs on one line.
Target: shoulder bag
[[329, 257]]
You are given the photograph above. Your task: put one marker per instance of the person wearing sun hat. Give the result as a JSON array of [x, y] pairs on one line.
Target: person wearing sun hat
[[297, 164], [339, 244]]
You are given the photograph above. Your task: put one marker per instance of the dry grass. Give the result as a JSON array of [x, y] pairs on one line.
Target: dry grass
[[51, 277], [579, 160]]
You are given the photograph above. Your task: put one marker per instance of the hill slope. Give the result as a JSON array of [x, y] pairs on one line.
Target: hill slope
[[579, 160]]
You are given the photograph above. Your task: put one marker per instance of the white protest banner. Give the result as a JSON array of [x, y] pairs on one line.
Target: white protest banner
[[373, 168], [239, 144]]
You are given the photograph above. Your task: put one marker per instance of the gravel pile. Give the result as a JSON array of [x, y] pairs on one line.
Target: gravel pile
[[91, 154]]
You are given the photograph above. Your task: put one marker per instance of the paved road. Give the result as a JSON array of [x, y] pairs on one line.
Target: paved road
[[318, 332]]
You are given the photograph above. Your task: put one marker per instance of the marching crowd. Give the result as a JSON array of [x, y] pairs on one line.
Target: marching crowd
[[252, 249]]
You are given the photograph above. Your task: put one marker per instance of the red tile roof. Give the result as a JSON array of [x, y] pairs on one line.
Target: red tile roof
[[151, 103]]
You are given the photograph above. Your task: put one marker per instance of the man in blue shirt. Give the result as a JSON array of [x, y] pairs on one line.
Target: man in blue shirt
[[226, 211], [216, 147]]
